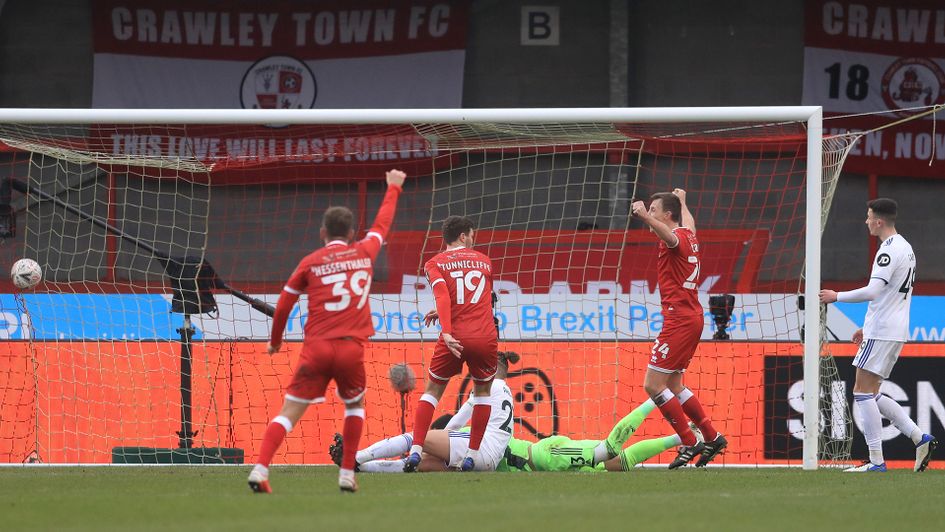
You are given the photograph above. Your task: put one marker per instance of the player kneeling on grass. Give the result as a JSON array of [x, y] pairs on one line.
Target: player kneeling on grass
[[445, 449], [560, 453]]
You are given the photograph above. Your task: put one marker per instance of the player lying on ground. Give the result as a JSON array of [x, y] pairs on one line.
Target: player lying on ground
[[444, 449], [555, 453], [560, 453]]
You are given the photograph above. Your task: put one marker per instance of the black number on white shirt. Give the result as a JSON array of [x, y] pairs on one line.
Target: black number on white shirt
[[507, 425], [908, 283]]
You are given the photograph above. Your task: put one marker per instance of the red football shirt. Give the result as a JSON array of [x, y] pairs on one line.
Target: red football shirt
[[337, 281], [467, 274], [678, 274]]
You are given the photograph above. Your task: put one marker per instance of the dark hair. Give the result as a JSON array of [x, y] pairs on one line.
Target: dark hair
[[338, 221], [884, 208], [506, 358], [455, 226], [670, 203], [441, 422]]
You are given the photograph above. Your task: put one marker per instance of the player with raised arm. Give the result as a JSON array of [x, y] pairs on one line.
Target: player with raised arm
[[444, 449], [683, 321], [337, 281], [461, 279], [885, 330]]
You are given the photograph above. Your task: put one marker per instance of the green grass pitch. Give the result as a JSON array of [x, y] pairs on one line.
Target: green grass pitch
[[306, 498]]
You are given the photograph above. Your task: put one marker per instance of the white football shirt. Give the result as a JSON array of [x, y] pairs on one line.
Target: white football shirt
[[888, 315], [501, 419]]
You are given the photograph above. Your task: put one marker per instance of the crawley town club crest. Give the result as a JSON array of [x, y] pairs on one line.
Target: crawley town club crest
[[913, 82], [278, 82]]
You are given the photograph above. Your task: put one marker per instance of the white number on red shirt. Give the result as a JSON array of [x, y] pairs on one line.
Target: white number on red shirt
[[359, 285], [691, 280], [466, 282]]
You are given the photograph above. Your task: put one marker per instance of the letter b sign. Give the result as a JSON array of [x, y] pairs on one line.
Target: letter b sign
[[540, 26]]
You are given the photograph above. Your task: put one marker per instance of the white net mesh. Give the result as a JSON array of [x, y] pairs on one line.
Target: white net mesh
[[105, 209]]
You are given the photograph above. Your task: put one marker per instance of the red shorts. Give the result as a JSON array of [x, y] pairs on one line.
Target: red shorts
[[674, 347], [324, 360], [481, 356]]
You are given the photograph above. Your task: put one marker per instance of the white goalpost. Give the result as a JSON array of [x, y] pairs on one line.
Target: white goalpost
[[126, 210]]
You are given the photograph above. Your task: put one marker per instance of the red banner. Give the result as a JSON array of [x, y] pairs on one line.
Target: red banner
[[536, 262], [868, 56]]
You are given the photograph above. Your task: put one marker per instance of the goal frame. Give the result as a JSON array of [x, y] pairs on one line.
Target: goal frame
[[811, 115]]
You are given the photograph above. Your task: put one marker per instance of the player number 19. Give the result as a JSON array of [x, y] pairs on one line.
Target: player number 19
[[466, 282], [359, 284]]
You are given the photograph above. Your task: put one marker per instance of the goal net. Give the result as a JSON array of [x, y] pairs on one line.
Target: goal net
[[163, 236]]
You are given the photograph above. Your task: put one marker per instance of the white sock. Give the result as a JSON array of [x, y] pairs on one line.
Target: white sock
[[389, 448], [894, 412], [382, 466], [600, 453], [663, 397], [871, 423], [284, 421], [261, 469]]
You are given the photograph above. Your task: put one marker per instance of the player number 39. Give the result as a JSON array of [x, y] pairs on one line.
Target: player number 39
[[359, 285]]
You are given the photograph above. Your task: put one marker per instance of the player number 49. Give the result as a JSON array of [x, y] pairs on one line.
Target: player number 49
[[908, 283], [359, 285]]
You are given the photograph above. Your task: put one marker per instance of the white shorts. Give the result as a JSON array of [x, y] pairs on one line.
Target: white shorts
[[488, 450], [878, 356]]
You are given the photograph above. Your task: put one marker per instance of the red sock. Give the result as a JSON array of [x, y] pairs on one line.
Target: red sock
[[272, 439], [480, 418], [351, 435], [422, 419], [693, 408], [673, 412]]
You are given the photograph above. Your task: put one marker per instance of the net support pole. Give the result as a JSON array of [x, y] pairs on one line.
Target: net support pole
[[811, 288], [186, 434]]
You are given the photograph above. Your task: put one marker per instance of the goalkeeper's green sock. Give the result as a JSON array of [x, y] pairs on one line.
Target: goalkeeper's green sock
[[627, 426], [646, 449]]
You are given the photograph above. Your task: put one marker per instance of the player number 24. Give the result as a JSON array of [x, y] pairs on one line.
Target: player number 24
[[466, 282], [657, 348], [359, 285]]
